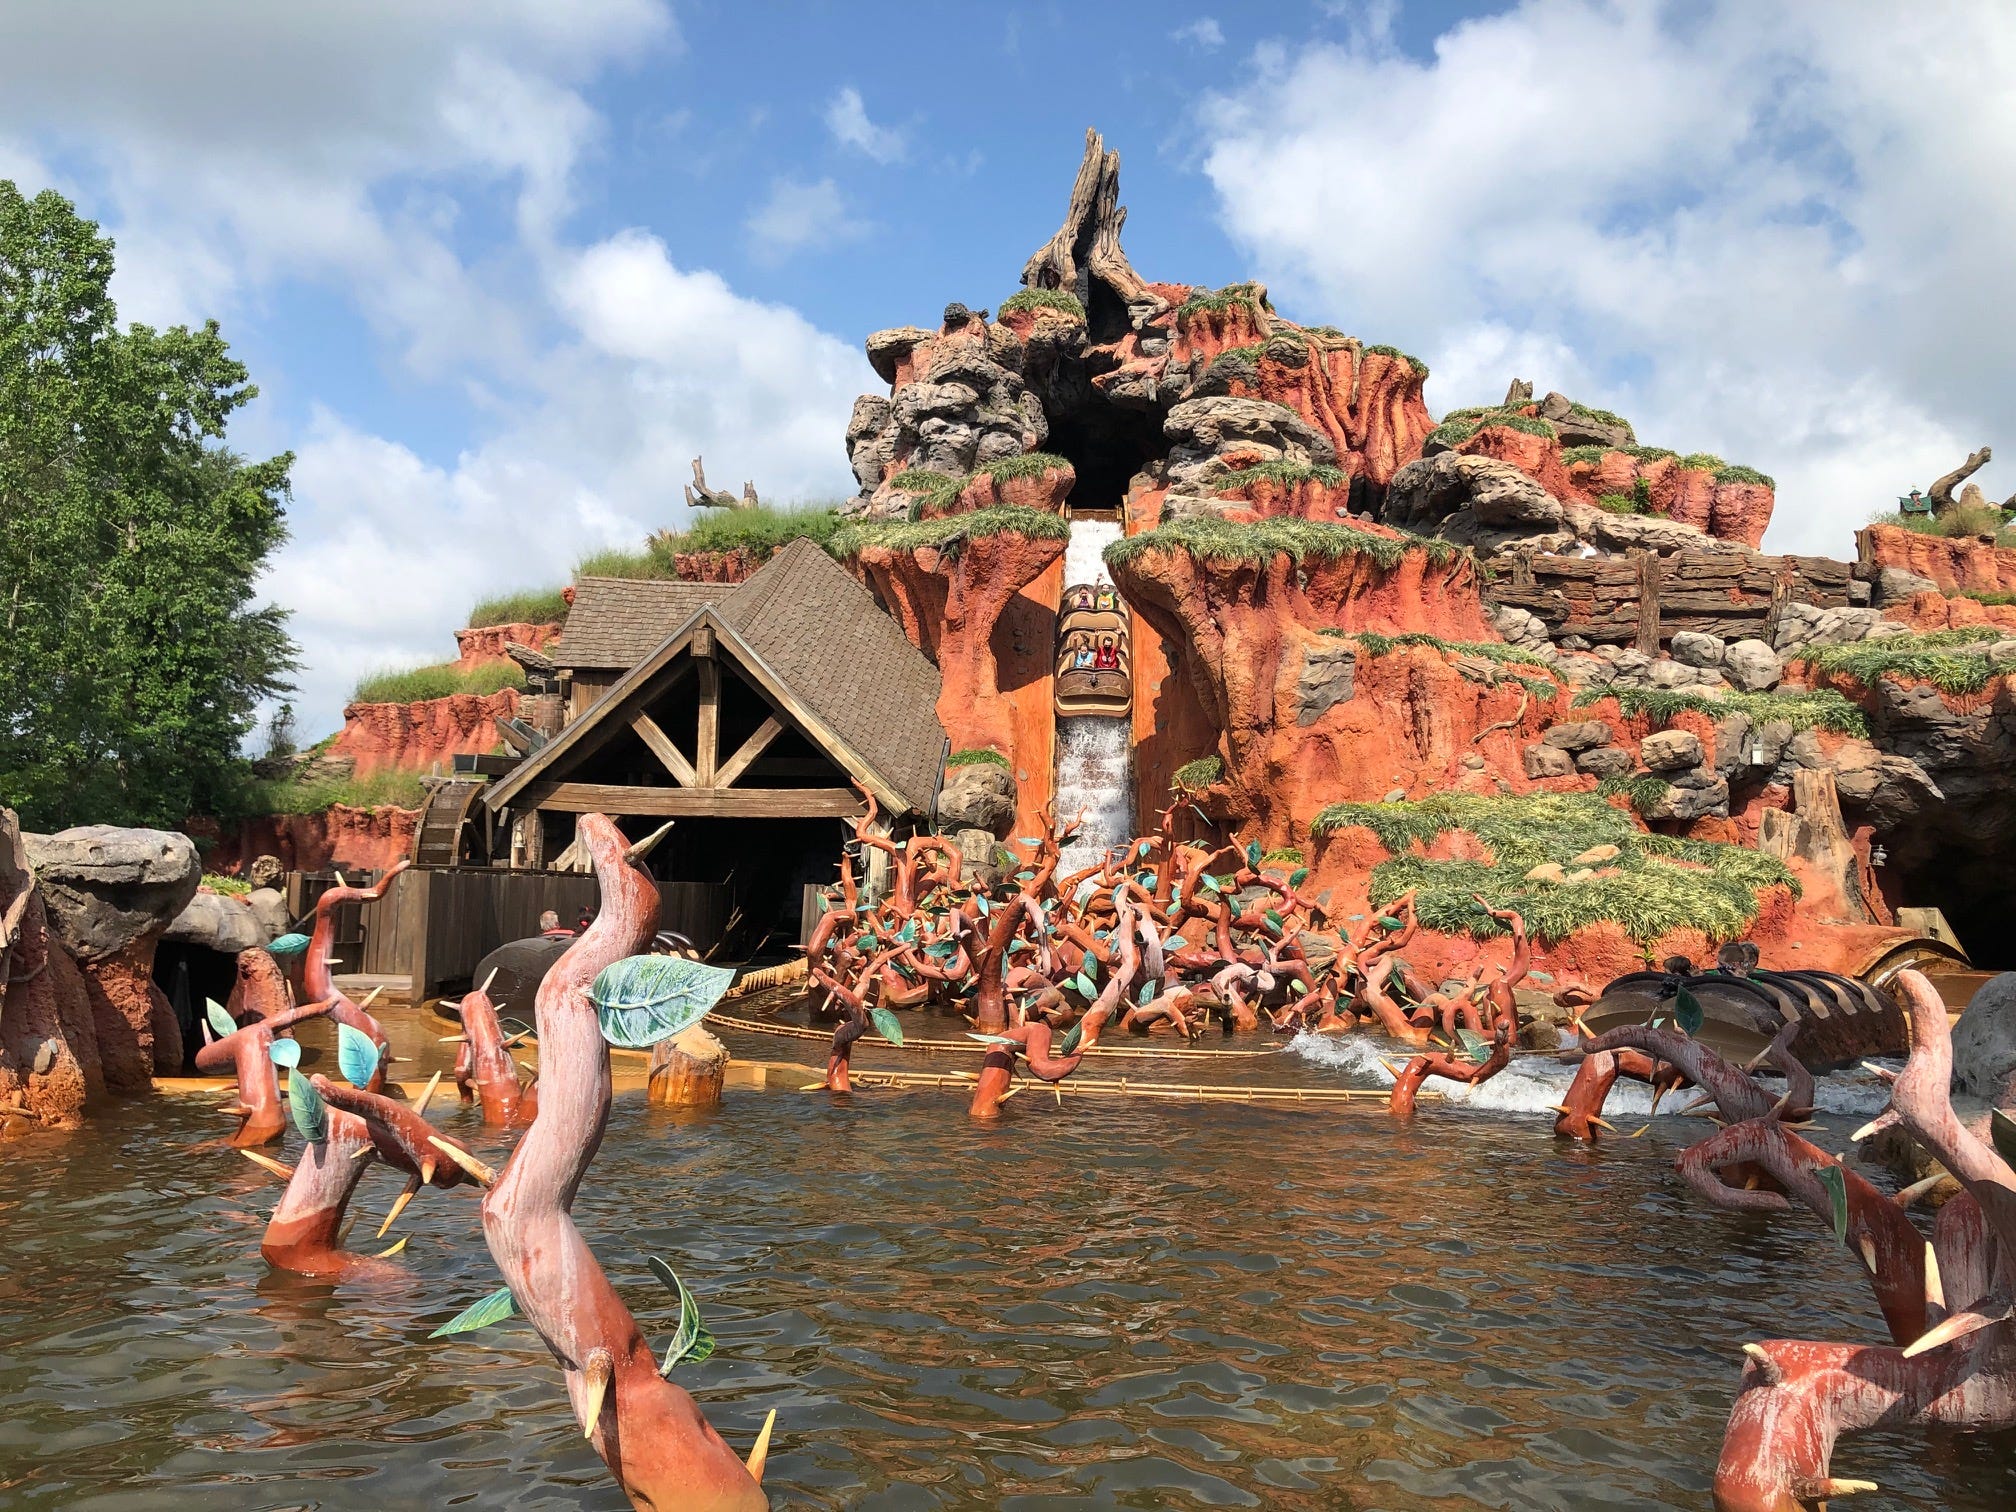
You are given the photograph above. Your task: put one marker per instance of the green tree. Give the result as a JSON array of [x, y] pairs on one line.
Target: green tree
[[131, 540]]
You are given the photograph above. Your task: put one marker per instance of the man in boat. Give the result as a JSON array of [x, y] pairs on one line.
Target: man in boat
[[550, 927]]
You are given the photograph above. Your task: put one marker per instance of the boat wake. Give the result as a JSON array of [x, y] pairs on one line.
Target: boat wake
[[1533, 1084]]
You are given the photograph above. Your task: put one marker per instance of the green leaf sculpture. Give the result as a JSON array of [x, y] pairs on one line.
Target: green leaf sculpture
[[1472, 1046], [1388, 923], [1069, 1044], [286, 1053], [288, 945], [494, 1308], [1146, 993], [306, 1108], [641, 1000], [1687, 1013], [1835, 1181], [1253, 853], [356, 1055], [1297, 877], [221, 1023], [691, 1343], [990, 1039], [887, 1025]]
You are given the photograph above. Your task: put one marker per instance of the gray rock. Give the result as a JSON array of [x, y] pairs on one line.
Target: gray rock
[[1329, 676], [1732, 741], [269, 911], [1548, 761], [1578, 427], [1670, 751], [1670, 674], [1894, 585], [886, 349], [978, 860], [1520, 627], [1605, 761], [1693, 649], [105, 887], [216, 923], [1429, 490], [1751, 666], [1984, 1042], [1692, 795], [979, 796], [1199, 430], [1396, 795], [1578, 735]]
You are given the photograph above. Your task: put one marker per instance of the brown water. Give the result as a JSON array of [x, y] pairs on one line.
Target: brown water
[[1112, 1304]]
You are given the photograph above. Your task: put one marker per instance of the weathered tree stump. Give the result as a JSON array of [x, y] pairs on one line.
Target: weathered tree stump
[[687, 1071]]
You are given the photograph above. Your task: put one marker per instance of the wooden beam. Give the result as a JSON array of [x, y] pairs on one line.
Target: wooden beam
[[700, 803], [661, 746], [750, 749], [707, 750]]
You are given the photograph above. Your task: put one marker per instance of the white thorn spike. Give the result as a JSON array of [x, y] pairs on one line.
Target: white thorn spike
[[644, 847], [597, 1374], [479, 1172], [485, 988], [1917, 1189], [760, 1454], [1935, 1288], [426, 1096]]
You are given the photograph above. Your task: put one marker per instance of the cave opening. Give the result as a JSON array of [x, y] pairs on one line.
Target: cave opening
[[1107, 446]]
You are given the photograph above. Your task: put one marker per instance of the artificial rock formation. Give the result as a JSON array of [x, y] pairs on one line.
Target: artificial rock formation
[[49, 1066], [417, 736]]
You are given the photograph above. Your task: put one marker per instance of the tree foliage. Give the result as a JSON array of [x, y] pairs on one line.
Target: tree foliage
[[131, 540]]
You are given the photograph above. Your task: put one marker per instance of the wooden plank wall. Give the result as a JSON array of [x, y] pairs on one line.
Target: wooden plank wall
[[1644, 600]]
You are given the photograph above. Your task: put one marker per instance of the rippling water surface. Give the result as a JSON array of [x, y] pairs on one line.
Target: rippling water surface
[[1119, 1303]]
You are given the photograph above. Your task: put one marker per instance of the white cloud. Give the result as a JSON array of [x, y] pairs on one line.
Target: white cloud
[[237, 151], [1771, 232], [1204, 34], [796, 216], [847, 119]]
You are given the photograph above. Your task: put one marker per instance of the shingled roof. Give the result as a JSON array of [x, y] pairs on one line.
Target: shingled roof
[[817, 633], [614, 623]]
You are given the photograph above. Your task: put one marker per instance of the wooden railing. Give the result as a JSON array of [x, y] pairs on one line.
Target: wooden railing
[[1644, 600]]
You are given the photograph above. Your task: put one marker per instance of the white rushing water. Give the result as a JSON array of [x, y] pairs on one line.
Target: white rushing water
[[1535, 1083], [1095, 755]]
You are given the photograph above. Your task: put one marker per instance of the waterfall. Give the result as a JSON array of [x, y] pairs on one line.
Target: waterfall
[[1095, 753]]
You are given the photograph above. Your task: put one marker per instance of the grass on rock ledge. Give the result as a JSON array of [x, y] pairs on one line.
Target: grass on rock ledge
[[1213, 539], [397, 789], [445, 680], [1195, 776], [949, 533], [1286, 473], [1043, 299], [1955, 523], [976, 758], [1953, 661], [1660, 883], [529, 606], [760, 531], [1801, 708]]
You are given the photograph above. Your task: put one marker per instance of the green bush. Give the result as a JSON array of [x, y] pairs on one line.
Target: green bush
[[1801, 708], [976, 758], [1643, 792], [1526, 423], [443, 680], [1953, 661], [1981, 596], [1195, 776], [1043, 299], [1661, 884], [530, 606], [1617, 503], [1301, 540], [231, 887], [1600, 416]]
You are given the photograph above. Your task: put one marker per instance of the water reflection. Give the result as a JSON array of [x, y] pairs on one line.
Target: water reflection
[[1109, 1305]]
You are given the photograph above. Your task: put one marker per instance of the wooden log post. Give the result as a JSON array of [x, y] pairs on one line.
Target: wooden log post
[[687, 1071], [1648, 603]]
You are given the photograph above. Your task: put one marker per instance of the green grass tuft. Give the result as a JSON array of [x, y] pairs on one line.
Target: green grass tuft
[[1644, 792], [760, 531], [976, 758], [445, 680], [1195, 776], [1043, 299], [1649, 453], [1420, 367], [1703, 462], [1286, 855], [231, 887], [1027, 465], [1732, 474], [1660, 885], [950, 533], [619, 562], [1286, 473], [1301, 540], [1374, 644], [1983, 596], [1957, 522], [1801, 708], [1217, 301], [1600, 416], [1453, 433], [1953, 661], [1592, 454], [381, 789], [530, 606]]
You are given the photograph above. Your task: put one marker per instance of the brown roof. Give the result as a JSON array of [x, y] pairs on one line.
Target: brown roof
[[614, 623], [847, 661], [818, 633]]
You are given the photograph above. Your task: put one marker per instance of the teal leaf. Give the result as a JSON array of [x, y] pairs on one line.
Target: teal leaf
[[1835, 1180], [356, 1054], [285, 1053], [306, 1108], [1085, 985], [1388, 922], [887, 1025], [221, 1023], [980, 901], [1273, 917], [1253, 853], [691, 1343], [494, 1308], [1297, 877], [1208, 882], [1297, 986], [990, 1039], [641, 1000], [1069, 1044], [1028, 840], [1024, 876], [1471, 1047], [1146, 993], [908, 933], [1687, 1013], [2002, 1130], [288, 945]]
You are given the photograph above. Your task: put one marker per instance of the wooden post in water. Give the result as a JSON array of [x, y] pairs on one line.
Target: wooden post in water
[[687, 1070]]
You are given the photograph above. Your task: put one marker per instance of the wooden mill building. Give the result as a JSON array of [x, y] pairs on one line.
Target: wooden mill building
[[751, 714]]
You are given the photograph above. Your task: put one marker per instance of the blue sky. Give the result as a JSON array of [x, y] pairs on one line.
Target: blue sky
[[500, 266]]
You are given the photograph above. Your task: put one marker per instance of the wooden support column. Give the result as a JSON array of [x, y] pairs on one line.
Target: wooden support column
[[1649, 577], [707, 748]]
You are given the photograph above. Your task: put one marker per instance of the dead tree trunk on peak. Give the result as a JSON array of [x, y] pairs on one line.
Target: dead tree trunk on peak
[[1941, 496], [700, 496], [1086, 248]]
